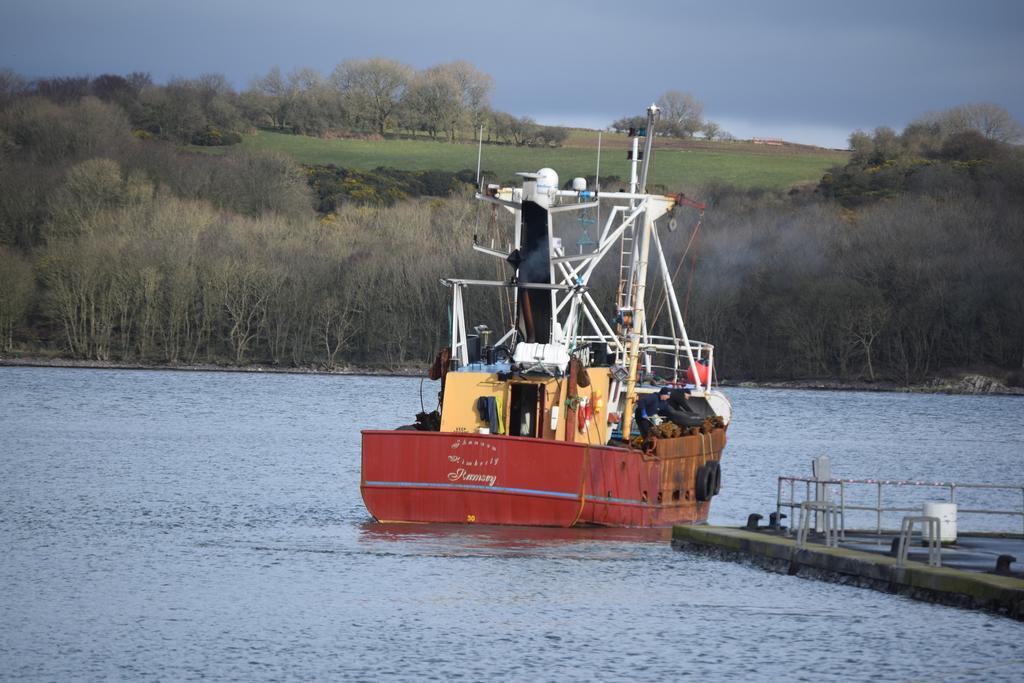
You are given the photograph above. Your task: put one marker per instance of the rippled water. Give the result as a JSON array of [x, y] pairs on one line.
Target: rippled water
[[209, 525]]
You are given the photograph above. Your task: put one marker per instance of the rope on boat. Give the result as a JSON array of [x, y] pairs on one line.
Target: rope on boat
[[693, 269], [689, 284], [583, 484]]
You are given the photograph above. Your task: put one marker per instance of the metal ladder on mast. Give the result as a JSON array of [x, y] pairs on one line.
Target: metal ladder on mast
[[626, 267], [627, 255]]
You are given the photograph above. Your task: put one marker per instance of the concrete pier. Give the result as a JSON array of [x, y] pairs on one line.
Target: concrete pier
[[851, 564]]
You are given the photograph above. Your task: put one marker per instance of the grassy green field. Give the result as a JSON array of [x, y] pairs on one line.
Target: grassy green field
[[675, 168]]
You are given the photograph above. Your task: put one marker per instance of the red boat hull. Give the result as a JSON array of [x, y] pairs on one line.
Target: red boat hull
[[413, 476]]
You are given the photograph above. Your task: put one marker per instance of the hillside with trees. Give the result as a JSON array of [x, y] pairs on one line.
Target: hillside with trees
[[358, 98], [116, 245]]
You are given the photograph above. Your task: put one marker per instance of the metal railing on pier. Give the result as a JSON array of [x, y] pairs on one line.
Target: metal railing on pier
[[833, 489]]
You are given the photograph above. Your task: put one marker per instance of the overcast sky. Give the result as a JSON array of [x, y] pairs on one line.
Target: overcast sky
[[807, 71]]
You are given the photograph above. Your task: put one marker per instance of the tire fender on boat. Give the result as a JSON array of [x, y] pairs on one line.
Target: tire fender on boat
[[715, 480], [702, 485]]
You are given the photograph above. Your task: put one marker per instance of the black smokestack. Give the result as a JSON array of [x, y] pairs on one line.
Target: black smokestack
[[535, 267]]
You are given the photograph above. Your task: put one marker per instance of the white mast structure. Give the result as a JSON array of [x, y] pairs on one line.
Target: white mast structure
[[571, 303]]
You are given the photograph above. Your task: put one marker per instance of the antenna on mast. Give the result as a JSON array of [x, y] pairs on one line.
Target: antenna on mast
[[597, 182], [479, 152], [652, 116]]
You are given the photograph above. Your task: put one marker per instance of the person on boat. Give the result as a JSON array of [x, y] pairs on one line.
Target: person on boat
[[678, 409], [647, 407]]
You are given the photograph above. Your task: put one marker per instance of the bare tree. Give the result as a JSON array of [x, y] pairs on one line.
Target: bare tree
[[711, 130], [682, 115], [254, 183], [16, 290], [868, 322], [446, 97], [89, 187], [280, 93], [991, 120], [433, 102], [11, 85], [475, 87], [372, 89], [335, 317], [245, 286]]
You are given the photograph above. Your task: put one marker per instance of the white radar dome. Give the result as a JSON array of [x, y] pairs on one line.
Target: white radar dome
[[547, 180], [579, 184]]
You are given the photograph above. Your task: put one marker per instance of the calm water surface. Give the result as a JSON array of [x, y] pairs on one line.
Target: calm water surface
[[164, 525]]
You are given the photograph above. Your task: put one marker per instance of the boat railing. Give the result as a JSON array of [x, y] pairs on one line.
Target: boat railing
[[869, 496], [664, 360]]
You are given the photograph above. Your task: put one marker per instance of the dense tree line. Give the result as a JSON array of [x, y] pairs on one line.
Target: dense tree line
[[41, 142], [897, 291], [147, 276], [903, 263], [962, 149], [119, 248], [359, 97]]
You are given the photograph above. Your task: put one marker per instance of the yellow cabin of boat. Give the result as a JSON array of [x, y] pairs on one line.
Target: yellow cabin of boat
[[463, 389]]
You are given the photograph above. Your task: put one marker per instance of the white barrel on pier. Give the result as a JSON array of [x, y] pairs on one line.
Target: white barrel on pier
[[946, 512]]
